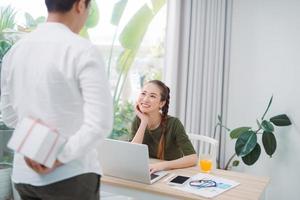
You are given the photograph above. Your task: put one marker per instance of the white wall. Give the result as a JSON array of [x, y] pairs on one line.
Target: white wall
[[265, 60]]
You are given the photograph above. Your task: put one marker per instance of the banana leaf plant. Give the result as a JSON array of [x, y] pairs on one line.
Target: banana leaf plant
[[247, 146], [117, 14], [131, 38]]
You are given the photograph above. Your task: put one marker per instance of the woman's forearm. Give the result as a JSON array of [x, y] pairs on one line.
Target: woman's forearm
[[139, 136], [186, 161]]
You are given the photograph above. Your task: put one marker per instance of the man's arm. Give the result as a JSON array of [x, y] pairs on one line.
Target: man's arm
[[97, 108]]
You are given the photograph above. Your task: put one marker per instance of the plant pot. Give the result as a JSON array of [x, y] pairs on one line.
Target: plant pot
[[5, 182]]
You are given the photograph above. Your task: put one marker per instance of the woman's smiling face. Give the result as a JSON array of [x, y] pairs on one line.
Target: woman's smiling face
[[149, 100]]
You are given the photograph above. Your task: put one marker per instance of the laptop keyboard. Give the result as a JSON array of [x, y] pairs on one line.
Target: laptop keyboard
[[153, 176]]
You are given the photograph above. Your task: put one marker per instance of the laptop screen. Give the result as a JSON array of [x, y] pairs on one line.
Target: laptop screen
[[125, 160]]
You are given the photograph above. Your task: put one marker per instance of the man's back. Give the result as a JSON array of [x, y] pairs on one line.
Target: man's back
[[44, 77], [46, 82], [57, 77]]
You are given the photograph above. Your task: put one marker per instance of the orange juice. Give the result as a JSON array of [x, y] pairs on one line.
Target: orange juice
[[205, 165]]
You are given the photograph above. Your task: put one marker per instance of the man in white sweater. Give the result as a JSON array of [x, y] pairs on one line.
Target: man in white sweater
[[54, 75]]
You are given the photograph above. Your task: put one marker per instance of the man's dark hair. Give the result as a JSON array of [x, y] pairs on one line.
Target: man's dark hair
[[62, 5]]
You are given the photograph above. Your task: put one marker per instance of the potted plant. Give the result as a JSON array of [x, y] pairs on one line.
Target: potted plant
[[247, 146]]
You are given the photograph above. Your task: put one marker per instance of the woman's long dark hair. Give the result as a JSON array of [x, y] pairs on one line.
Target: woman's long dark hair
[[164, 96]]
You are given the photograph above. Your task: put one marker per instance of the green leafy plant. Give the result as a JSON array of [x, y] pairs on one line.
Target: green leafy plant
[[117, 14], [7, 23], [124, 114], [130, 38], [247, 146]]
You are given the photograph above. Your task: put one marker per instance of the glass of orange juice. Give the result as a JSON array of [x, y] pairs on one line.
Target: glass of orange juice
[[205, 163]]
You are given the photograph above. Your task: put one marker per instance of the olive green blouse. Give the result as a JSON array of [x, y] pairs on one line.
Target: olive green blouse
[[177, 142]]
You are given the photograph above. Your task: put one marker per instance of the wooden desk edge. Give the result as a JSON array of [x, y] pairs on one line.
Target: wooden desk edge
[[162, 188]]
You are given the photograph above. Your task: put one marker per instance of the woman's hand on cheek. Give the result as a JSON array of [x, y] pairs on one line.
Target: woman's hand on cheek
[[144, 117]]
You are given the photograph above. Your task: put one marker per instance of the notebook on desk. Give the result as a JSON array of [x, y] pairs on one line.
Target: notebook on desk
[[207, 185], [127, 161]]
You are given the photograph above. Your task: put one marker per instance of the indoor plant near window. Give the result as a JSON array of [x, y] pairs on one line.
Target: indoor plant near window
[[130, 38], [247, 146]]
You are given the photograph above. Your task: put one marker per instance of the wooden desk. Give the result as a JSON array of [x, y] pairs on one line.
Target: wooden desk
[[250, 188]]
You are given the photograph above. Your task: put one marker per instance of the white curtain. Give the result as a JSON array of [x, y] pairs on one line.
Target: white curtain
[[197, 63]]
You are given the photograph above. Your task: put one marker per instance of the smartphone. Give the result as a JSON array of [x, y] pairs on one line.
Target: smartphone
[[178, 180]]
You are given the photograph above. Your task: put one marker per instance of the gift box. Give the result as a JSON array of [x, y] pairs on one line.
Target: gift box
[[37, 141]]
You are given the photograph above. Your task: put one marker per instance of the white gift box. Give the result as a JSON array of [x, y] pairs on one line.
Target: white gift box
[[37, 141]]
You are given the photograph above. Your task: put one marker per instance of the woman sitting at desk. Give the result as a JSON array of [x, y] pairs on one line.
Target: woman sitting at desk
[[164, 135]]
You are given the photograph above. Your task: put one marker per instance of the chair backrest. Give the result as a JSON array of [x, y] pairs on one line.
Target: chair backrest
[[205, 145]]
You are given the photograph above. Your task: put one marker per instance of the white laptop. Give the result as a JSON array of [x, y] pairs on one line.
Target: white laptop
[[127, 161]]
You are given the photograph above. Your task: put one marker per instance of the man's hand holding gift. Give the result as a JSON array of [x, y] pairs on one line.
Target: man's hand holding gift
[[39, 168]]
